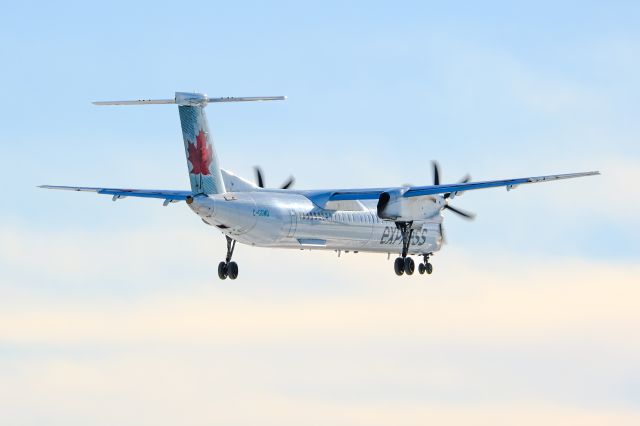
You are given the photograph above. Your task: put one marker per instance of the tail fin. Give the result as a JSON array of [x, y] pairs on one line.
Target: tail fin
[[204, 170]]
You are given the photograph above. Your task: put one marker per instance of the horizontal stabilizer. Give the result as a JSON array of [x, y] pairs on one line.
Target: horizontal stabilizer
[[137, 102], [192, 99]]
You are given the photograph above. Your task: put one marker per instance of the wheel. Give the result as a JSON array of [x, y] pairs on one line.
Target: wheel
[[429, 268], [232, 269], [398, 266], [409, 266], [421, 268], [222, 270]]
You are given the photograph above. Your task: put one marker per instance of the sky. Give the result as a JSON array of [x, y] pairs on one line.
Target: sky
[[112, 313]]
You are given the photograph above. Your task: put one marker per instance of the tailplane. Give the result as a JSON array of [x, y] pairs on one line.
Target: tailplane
[[204, 169]]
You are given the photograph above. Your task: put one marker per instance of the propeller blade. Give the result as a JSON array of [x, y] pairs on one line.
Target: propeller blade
[[289, 183], [465, 179], [463, 213], [259, 178], [436, 173]]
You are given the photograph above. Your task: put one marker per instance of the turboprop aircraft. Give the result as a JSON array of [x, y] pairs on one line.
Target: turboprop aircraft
[[405, 220]]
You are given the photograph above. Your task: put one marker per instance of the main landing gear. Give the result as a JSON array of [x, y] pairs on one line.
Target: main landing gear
[[406, 265], [228, 268]]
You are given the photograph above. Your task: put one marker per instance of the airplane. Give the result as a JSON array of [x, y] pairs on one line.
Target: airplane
[[405, 220]]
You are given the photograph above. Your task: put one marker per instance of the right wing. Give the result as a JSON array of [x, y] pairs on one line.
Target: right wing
[[321, 197]]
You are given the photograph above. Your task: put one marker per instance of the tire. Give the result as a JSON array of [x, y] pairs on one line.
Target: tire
[[222, 270], [421, 268], [398, 266], [409, 266], [232, 270], [429, 268]]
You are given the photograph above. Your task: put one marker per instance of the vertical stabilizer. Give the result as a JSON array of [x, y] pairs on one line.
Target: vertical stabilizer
[[202, 160]]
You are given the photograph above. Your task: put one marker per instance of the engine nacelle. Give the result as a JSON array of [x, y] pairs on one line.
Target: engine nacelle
[[392, 205]]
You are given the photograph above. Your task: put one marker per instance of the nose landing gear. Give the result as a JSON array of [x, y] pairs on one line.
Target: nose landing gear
[[425, 266], [228, 268]]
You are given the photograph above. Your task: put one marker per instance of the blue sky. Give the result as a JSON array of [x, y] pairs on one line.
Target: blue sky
[[497, 91], [375, 93]]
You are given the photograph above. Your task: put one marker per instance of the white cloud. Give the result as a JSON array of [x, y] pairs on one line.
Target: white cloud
[[335, 340], [173, 293]]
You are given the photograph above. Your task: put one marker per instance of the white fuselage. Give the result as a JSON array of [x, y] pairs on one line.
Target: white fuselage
[[273, 218]]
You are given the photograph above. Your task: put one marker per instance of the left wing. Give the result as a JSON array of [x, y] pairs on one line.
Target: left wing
[[322, 197], [165, 194]]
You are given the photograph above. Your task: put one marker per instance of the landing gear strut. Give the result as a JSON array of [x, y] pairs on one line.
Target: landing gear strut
[[228, 268], [404, 264], [406, 232]]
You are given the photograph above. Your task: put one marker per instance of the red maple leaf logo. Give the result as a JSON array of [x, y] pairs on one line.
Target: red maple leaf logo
[[200, 155]]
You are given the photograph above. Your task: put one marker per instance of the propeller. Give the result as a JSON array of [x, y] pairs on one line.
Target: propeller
[[463, 213], [436, 182], [260, 179]]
